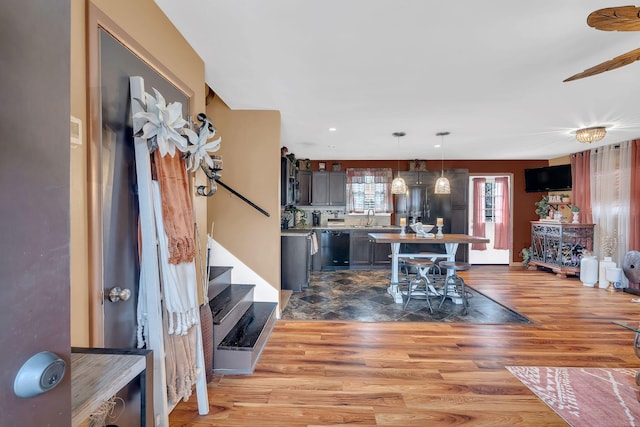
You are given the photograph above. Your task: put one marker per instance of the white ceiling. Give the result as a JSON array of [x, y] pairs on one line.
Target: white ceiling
[[489, 72]]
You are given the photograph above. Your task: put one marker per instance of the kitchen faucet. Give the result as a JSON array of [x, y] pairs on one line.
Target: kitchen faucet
[[371, 213]]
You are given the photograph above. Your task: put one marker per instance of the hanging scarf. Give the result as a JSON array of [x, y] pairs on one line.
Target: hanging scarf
[[177, 209]]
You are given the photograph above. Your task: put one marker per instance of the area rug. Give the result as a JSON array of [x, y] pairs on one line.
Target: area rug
[[361, 296], [585, 396]]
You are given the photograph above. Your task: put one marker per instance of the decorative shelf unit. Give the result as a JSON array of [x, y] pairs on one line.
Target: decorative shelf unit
[[560, 246]]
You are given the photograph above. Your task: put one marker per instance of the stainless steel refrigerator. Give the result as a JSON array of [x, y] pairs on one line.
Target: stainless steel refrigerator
[[420, 204]]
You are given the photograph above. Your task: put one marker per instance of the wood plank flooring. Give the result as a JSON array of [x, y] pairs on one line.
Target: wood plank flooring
[[427, 374]]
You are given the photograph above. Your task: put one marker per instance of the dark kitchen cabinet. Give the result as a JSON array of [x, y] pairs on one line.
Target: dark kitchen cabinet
[[303, 188], [381, 254], [360, 251], [459, 180], [417, 177], [366, 254], [328, 188], [287, 182]]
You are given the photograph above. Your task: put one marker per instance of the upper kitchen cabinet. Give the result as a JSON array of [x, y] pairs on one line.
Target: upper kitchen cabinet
[[416, 177], [328, 188], [287, 182], [303, 188]]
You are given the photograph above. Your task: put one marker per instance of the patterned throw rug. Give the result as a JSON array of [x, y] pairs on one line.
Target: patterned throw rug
[[585, 396]]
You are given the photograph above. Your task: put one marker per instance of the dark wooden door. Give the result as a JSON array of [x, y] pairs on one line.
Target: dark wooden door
[[119, 216], [34, 203]]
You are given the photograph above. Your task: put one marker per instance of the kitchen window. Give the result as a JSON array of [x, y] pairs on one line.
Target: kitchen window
[[369, 188]]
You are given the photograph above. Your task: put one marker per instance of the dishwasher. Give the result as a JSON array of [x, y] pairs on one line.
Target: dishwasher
[[334, 249]]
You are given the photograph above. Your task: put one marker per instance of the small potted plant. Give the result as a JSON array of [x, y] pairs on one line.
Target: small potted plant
[[525, 254], [542, 207], [575, 211]]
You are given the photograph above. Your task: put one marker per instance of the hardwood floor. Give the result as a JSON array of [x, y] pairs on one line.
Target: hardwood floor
[[427, 374]]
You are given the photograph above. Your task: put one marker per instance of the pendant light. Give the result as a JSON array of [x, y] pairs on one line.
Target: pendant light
[[398, 186], [442, 184]]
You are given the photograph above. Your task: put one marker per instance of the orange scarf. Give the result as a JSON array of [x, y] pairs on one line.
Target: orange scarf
[[177, 210]]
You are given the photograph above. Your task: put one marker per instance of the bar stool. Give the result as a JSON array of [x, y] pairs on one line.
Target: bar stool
[[422, 266], [454, 285], [430, 272], [402, 268]]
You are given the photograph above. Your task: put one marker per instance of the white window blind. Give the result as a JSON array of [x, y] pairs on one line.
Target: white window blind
[[369, 188]]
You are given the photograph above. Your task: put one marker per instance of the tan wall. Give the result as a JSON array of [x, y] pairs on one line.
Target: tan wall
[[251, 156], [78, 187], [143, 23]]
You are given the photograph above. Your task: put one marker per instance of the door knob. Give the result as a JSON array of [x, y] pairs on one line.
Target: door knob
[[118, 294]]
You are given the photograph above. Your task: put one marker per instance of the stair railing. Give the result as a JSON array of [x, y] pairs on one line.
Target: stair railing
[[214, 177]]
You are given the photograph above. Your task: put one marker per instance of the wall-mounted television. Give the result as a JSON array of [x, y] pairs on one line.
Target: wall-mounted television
[[550, 178]]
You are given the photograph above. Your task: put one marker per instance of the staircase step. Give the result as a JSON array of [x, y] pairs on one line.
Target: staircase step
[[239, 351], [219, 279], [228, 299]]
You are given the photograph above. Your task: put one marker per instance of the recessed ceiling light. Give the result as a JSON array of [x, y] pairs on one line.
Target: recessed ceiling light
[[436, 146], [332, 129]]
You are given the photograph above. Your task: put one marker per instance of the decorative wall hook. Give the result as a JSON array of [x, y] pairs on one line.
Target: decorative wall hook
[[201, 190], [212, 176]]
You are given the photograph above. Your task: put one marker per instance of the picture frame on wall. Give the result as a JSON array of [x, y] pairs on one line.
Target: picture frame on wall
[[322, 166]]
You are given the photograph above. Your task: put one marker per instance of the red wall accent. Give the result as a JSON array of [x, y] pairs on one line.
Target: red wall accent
[[523, 203]]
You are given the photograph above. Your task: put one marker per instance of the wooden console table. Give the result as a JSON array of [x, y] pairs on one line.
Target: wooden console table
[[97, 374], [560, 246]]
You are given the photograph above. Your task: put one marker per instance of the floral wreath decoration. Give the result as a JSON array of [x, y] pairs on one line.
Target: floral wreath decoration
[[166, 130]]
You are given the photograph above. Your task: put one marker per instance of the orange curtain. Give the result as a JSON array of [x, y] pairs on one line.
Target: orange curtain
[[478, 212], [581, 184], [502, 214], [634, 211]]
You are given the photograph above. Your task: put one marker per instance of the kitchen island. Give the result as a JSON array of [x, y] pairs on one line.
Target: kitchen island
[[347, 246], [450, 242]]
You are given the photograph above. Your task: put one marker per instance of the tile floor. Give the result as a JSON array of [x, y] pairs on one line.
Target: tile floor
[[361, 296]]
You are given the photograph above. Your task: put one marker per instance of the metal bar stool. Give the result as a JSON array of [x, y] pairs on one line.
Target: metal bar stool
[[454, 285], [422, 266], [402, 268]]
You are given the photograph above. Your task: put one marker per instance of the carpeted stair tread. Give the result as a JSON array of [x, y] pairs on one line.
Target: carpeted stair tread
[[247, 331]]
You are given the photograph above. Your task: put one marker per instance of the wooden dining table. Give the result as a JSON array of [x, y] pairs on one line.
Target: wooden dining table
[[450, 242]]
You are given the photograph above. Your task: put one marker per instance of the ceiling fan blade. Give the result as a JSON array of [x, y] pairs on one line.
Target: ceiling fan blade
[[612, 64], [621, 18]]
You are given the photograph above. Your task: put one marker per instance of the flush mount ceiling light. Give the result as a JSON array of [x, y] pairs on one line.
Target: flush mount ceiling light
[[442, 184], [398, 186], [592, 134]]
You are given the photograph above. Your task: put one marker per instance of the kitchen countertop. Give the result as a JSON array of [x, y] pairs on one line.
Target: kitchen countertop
[[309, 228], [295, 233]]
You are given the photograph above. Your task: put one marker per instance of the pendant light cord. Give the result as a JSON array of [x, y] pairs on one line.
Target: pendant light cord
[[442, 134]]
